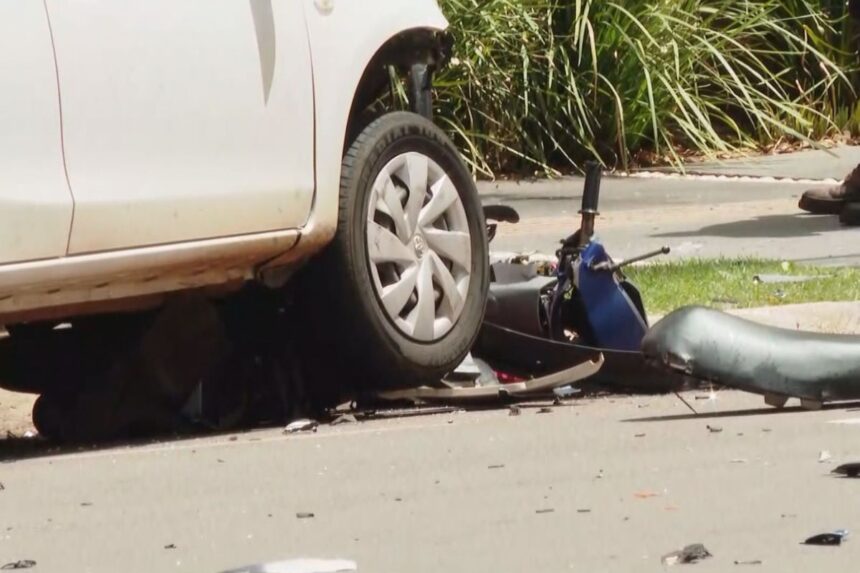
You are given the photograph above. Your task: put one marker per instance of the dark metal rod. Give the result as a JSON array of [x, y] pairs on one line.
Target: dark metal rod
[[420, 84], [605, 266]]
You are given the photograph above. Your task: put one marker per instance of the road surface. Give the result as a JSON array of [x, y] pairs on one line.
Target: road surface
[[607, 484]]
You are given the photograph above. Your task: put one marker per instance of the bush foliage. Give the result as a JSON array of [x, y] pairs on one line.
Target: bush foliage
[[540, 85]]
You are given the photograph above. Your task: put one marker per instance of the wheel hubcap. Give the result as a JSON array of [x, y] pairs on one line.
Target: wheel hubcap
[[418, 246]]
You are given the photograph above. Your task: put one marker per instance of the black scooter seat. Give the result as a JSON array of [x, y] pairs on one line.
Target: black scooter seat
[[715, 346]]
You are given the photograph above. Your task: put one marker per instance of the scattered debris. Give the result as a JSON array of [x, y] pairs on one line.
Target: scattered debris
[[583, 511], [642, 435], [739, 461], [514, 410], [766, 430], [783, 279], [824, 456], [232, 438], [549, 510], [566, 392], [2, 487], [750, 562], [170, 546], [86, 503], [300, 566], [304, 515], [689, 554], [496, 467], [850, 470], [344, 419], [398, 499], [714, 429], [645, 494], [21, 564], [788, 515], [832, 538], [410, 412], [303, 425], [544, 410]]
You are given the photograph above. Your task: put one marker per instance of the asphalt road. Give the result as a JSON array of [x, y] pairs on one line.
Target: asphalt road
[[608, 484], [696, 217]]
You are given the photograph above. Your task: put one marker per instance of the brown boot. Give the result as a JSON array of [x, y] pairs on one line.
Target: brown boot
[[832, 200]]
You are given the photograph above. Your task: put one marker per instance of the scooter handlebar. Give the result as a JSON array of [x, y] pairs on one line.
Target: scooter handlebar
[[591, 189]]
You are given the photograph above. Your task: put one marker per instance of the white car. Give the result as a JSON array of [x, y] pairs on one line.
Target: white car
[[150, 147]]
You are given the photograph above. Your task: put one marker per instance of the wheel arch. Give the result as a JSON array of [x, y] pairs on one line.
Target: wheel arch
[[417, 45], [347, 78]]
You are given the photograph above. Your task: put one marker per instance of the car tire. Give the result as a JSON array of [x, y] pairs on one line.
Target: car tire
[[377, 340]]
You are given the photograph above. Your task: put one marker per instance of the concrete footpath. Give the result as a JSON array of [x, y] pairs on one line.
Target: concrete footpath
[[738, 208]]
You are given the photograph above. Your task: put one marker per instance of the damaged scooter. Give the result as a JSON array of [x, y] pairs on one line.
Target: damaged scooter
[[552, 323]]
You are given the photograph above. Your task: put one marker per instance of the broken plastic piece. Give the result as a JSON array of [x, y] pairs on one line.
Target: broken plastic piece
[[303, 425], [21, 564], [567, 391], [300, 566], [543, 384], [831, 538], [781, 279], [689, 554], [851, 470]]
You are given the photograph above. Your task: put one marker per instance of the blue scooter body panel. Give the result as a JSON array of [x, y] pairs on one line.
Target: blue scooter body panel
[[614, 319]]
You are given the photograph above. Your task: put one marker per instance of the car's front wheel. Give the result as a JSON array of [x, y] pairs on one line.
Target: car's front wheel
[[403, 286]]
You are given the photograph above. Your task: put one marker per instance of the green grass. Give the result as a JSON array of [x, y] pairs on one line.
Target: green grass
[[729, 283]]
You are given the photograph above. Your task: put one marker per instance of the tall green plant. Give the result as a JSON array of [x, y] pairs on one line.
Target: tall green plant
[[543, 84]]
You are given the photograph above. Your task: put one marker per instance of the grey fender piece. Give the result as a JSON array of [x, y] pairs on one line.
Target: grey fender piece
[[715, 346]]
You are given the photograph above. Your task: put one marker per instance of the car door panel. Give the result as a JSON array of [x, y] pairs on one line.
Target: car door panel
[[35, 202], [184, 119]]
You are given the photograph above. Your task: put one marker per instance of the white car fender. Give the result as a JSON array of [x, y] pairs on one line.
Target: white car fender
[[340, 53]]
